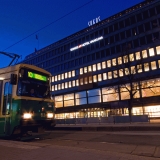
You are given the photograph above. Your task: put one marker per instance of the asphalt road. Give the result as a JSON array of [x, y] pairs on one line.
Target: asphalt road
[[125, 137], [78, 145]]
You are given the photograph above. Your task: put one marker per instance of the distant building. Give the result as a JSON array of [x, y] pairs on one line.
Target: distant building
[[93, 69]]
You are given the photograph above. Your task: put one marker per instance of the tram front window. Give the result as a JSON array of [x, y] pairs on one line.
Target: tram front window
[[33, 88]]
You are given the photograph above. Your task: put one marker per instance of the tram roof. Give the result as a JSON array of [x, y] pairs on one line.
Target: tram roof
[[18, 66]]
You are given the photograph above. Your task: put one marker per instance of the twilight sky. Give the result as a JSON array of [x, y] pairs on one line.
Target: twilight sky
[[50, 20]]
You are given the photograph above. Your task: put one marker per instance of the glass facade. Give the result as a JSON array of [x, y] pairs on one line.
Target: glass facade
[[147, 88]]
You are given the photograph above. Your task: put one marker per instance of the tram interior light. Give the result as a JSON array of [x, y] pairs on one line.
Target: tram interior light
[[27, 115], [1, 78]]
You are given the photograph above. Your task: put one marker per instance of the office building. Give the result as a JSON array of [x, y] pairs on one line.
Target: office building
[[96, 69]]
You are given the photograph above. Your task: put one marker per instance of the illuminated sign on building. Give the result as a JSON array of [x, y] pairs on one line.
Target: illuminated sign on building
[[86, 43], [94, 21]]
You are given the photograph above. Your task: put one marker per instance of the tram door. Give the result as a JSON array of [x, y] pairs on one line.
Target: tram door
[[7, 99]]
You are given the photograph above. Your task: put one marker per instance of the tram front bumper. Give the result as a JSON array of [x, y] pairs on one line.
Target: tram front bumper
[[43, 123], [32, 125]]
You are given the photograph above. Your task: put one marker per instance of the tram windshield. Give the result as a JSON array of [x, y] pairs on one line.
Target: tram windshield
[[32, 86]]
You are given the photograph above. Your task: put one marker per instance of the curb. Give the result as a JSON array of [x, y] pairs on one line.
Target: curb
[[108, 128]]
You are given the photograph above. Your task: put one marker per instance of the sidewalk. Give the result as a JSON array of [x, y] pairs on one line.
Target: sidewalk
[[89, 145], [146, 126], [83, 150]]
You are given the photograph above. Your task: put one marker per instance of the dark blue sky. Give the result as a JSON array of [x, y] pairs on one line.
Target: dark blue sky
[[51, 20]]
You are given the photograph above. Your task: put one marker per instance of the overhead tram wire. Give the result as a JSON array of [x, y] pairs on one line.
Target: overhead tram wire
[[49, 24]]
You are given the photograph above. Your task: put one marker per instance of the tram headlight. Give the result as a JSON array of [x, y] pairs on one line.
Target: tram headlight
[[49, 115], [27, 115]]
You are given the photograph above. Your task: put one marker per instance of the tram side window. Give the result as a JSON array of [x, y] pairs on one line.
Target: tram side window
[[7, 98]]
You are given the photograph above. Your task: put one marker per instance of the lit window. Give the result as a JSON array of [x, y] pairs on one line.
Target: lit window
[[104, 76], [99, 77], [81, 81], [94, 67], [158, 49], [59, 86], [125, 59], [151, 52], [90, 79], [114, 62], [89, 68], [85, 69], [126, 70], [103, 65], [121, 72], [66, 75], [69, 74], [115, 74], [133, 70], [73, 83], [109, 63], [77, 82], [139, 68], [144, 54], [98, 66], [81, 70], [52, 78], [119, 60], [69, 84], [55, 78], [109, 75], [52, 88], [62, 85], [66, 84], [55, 88], [85, 80], [68, 101], [159, 63], [59, 77], [153, 65], [95, 78], [73, 73], [62, 75], [146, 67], [138, 56], [131, 57]]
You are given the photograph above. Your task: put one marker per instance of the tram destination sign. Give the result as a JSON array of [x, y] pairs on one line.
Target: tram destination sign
[[37, 76]]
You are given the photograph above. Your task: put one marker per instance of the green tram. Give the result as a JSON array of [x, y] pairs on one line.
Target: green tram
[[25, 104]]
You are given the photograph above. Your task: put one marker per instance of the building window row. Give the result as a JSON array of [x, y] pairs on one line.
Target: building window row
[[109, 63], [94, 56], [107, 41], [148, 88], [121, 60], [63, 76], [139, 68]]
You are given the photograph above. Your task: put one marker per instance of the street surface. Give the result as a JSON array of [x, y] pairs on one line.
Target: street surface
[[78, 145]]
